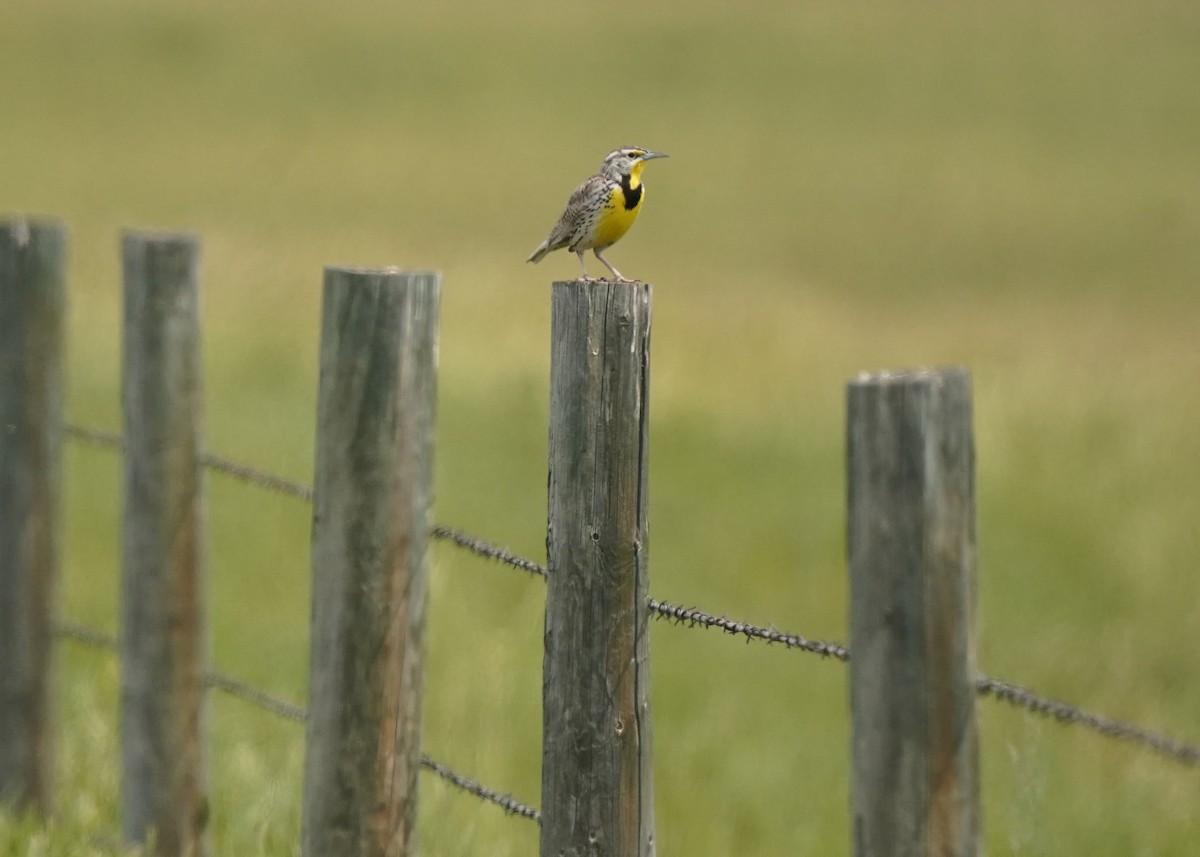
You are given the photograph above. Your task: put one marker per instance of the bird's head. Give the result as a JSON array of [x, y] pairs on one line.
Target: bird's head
[[627, 162]]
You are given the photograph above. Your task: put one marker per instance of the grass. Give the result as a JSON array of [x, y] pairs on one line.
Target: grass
[[1005, 187]]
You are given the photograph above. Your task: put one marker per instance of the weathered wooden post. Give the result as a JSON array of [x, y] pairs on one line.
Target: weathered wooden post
[[915, 766], [597, 795], [371, 520], [164, 644], [33, 299]]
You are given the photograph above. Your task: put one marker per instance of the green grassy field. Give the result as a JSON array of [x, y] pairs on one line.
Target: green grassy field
[[1009, 187]]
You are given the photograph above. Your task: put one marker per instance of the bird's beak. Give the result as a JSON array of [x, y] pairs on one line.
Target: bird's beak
[[649, 156]]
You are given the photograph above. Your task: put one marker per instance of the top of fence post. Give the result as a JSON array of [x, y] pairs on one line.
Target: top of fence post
[[915, 771]]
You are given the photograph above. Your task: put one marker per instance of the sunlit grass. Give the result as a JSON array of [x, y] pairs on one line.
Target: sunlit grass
[[1010, 188]]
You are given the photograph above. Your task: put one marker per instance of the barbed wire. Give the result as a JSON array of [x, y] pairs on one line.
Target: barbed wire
[[693, 617], [507, 802], [489, 551], [1015, 695], [1020, 697], [97, 639], [271, 482], [259, 698], [91, 637], [986, 686], [243, 472]]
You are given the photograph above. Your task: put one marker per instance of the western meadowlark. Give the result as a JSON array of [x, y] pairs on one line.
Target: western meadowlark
[[601, 209]]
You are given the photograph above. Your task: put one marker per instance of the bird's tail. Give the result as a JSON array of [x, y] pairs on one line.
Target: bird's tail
[[540, 252]]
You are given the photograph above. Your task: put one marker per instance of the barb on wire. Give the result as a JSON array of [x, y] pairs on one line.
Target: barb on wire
[[485, 549], [693, 618], [1020, 697], [98, 639]]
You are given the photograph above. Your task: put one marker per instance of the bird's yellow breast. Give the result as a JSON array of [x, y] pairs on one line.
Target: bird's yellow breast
[[615, 219]]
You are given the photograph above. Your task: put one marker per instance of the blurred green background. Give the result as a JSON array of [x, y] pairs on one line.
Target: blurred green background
[[1012, 187]]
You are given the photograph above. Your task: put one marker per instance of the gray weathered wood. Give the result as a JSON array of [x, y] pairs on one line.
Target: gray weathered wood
[[33, 300], [371, 520], [915, 766], [597, 788], [164, 647]]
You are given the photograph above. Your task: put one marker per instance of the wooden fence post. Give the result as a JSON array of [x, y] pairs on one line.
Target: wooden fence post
[[33, 300], [597, 795], [915, 766], [164, 644], [371, 520]]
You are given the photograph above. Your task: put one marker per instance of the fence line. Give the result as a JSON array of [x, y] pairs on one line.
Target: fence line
[[1015, 695], [911, 548], [987, 686], [96, 639]]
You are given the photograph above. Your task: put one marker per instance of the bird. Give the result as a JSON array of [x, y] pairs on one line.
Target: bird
[[602, 209]]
